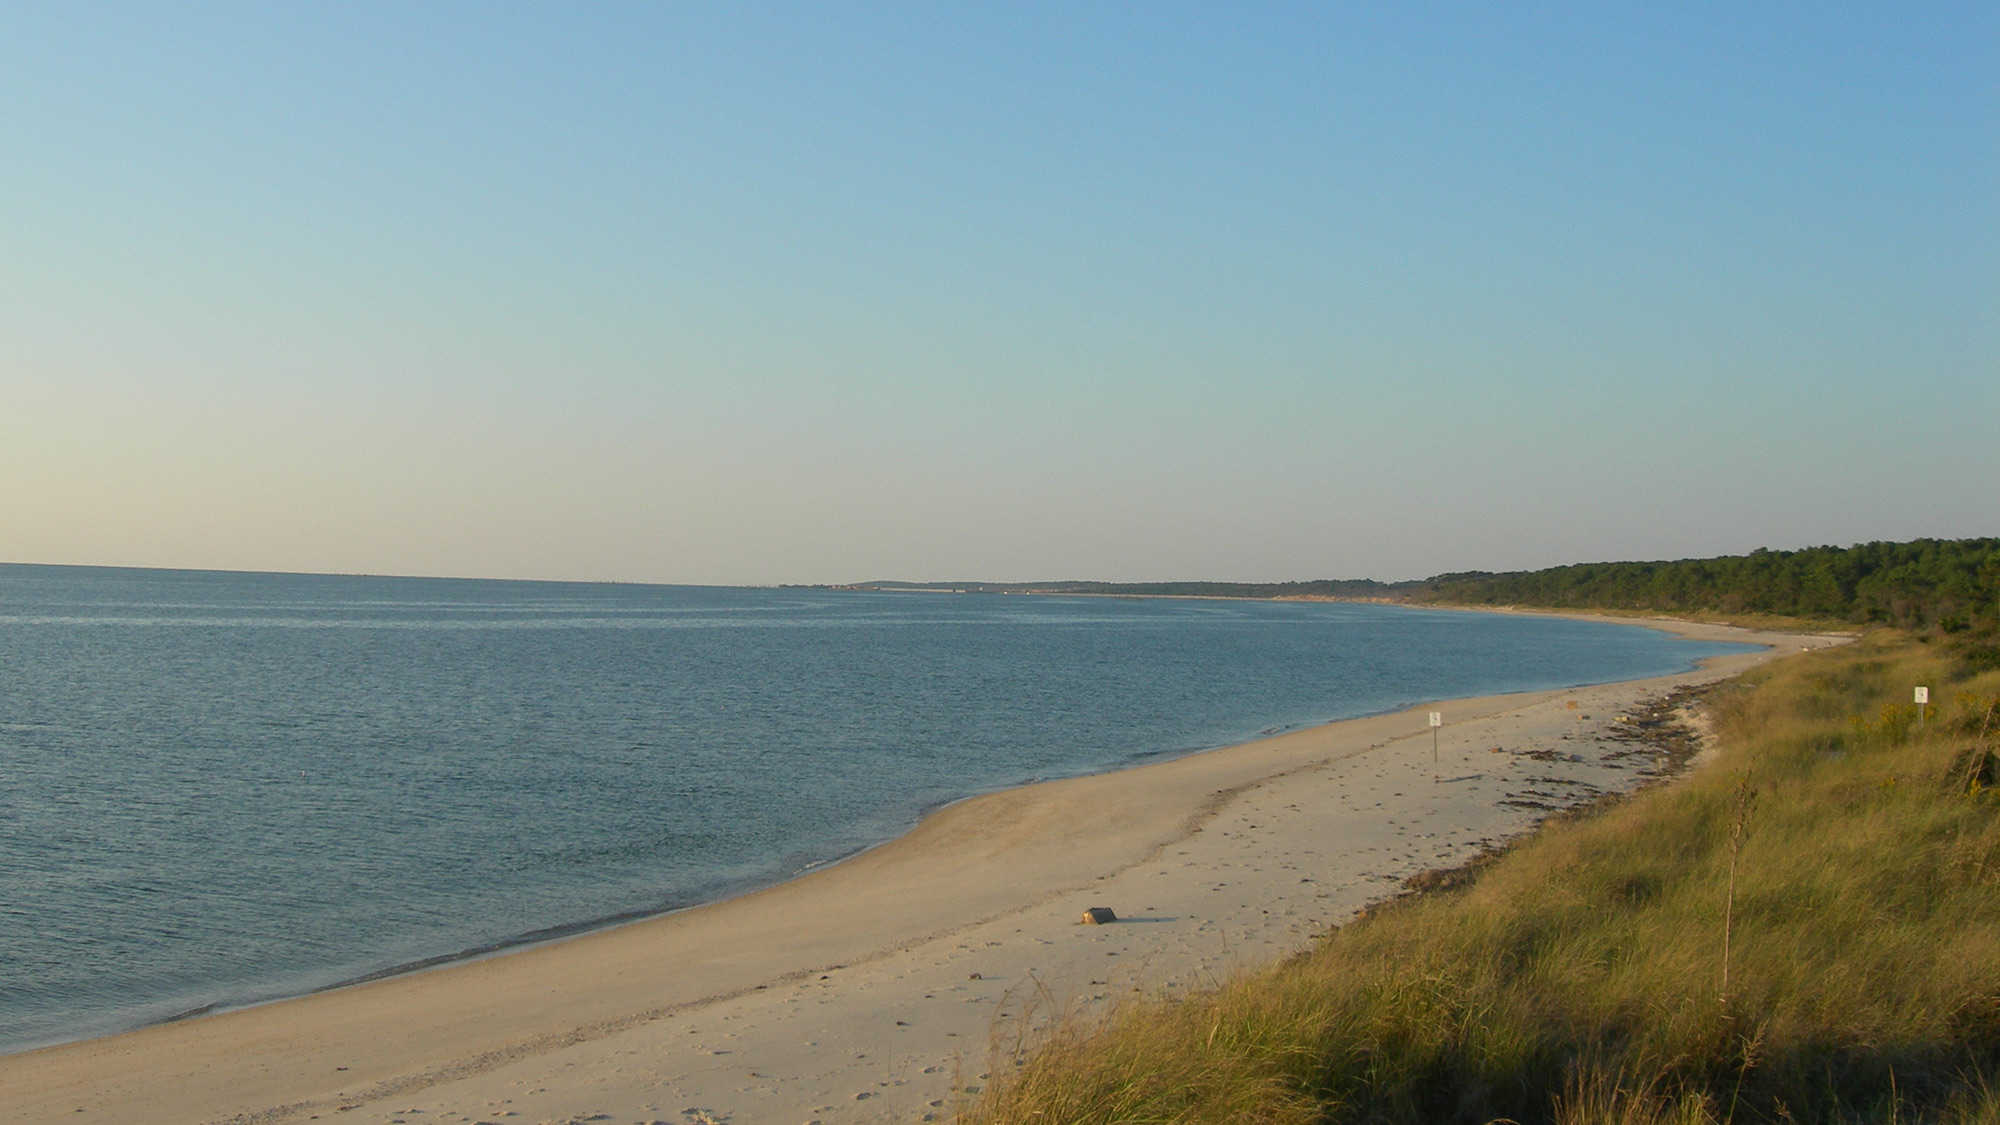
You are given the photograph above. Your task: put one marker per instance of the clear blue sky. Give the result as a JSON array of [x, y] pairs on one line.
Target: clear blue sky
[[747, 294]]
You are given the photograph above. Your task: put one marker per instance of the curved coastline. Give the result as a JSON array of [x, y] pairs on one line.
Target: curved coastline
[[969, 862], [724, 892]]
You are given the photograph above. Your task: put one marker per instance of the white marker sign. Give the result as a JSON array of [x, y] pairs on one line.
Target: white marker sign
[[1437, 717], [1923, 695]]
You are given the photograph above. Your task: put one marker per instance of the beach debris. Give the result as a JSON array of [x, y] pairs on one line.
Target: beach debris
[[1099, 916]]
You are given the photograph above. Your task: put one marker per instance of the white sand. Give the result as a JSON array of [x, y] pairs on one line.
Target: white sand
[[870, 990]]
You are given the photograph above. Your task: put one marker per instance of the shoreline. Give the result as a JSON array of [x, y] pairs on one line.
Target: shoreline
[[566, 931], [463, 1031]]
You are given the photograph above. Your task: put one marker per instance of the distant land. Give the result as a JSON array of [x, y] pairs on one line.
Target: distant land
[[1347, 589], [1945, 586]]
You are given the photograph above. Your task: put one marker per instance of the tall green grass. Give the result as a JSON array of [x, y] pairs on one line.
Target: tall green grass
[[1580, 978]]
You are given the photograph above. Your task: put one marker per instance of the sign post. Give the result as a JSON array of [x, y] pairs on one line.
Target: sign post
[[1437, 720], [1923, 700]]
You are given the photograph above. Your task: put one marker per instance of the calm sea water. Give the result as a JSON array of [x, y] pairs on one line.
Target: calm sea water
[[222, 788]]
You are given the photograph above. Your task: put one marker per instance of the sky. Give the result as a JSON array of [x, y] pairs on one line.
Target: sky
[[754, 293]]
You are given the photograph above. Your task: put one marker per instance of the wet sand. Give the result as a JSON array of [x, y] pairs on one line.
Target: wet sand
[[870, 989]]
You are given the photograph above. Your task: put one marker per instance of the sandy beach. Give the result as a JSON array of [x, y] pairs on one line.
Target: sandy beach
[[872, 989]]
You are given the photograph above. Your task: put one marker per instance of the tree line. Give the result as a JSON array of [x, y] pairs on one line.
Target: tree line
[[1948, 585]]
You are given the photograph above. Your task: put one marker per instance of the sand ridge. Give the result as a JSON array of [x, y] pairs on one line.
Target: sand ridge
[[869, 989]]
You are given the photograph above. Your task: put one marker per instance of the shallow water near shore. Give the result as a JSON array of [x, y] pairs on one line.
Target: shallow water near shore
[[222, 788]]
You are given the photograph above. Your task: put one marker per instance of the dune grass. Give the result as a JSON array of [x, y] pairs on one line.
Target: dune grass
[[1851, 858]]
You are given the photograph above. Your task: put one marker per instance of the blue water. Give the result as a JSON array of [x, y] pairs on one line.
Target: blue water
[[221, 788]]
